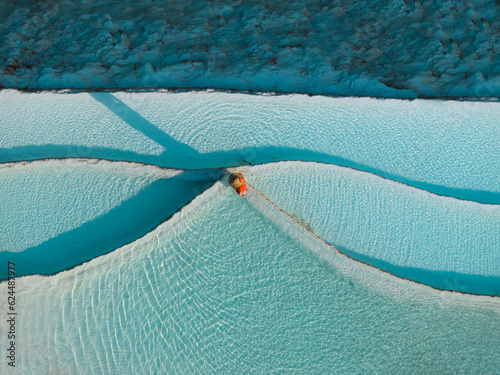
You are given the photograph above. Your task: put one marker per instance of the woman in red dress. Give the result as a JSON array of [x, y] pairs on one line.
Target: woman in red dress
[[237, 182]]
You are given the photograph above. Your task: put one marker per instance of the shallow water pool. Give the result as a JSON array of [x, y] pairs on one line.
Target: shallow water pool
[[235, 285], [221, 288]]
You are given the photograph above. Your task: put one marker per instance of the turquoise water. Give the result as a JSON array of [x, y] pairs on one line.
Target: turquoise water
[[222, 289], [233, 285]]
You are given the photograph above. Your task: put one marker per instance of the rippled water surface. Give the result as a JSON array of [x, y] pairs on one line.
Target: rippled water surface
[[150, 270], [222, 289]]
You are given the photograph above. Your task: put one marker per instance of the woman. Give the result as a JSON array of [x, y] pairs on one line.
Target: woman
[[237, 182]]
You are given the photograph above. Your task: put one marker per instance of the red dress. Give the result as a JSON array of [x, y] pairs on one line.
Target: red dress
[[241, 190]]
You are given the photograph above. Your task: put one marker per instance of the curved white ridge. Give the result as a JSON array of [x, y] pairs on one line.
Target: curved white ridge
[[440, 241], [112, 168], [381, 282], [43, 199]]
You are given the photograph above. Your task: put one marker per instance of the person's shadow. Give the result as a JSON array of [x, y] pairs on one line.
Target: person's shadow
[[171, 146], [176, 154]]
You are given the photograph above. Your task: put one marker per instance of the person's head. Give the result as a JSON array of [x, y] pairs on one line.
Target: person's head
[[235, 180]]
